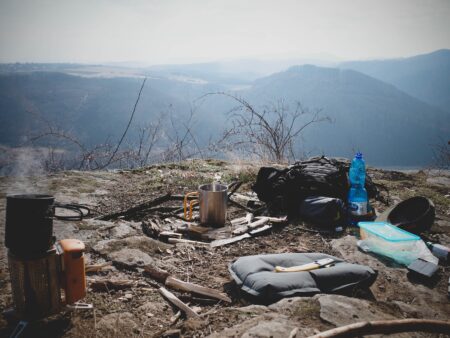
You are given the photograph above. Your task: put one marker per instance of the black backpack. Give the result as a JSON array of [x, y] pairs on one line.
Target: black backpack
[[283, 190]]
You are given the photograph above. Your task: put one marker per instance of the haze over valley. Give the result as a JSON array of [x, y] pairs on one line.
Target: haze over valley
[[382, 89]]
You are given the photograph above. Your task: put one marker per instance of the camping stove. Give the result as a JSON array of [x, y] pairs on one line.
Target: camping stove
[[45, 276]]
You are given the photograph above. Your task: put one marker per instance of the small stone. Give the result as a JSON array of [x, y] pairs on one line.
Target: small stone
[[130, 257], [110, 324]]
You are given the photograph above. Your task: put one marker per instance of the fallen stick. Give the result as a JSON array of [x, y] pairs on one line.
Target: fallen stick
[[253, 233], [160, 209], [258, 223], [137, 208], [249, 217], [192, 229], [169, 234], [198, 300], [240, 230], [243, 220], [177, 284], [175, 317], [151, 228], [274, 219], [107, 284], [239, 205], [226, 241], [96, 267], [164, 277], [245, 198], [240, 220], [245, 228], [157, 274], [178, 303], [187, 241], [386, 326]]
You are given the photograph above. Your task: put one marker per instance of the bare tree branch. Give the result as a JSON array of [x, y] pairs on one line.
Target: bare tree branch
[[126, 129], [272, 132]]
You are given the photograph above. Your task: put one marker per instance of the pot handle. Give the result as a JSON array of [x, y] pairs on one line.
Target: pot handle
[[80, 210], [191, 204]]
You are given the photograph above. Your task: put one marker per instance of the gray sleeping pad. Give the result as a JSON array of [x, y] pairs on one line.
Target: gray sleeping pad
[[256, 275]]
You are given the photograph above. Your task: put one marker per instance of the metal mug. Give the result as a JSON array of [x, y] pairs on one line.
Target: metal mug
[[212, 200]]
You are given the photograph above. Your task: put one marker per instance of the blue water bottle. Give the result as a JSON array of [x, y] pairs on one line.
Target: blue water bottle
[[357, 196]]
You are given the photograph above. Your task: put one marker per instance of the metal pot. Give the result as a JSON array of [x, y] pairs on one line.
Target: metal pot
[[29, 223]]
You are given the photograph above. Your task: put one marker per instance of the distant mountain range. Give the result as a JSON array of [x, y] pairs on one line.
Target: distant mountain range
[[369, 115], [392, 110], [426, 77]]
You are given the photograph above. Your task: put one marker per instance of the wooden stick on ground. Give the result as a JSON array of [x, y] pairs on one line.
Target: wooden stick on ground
[[245, 228], [248, 218], [177, 284], [97, 267], [240, 220], [252, 233], [187, 241], [169, 234], [178, 303], [106, 284], [157, 274], [137, 208], [240, 205], [386, 326], [164, 277], [274, 219], [245, 198]]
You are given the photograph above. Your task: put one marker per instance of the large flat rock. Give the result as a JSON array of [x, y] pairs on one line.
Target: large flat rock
[[130, 252], [340, 310], [143, 243], [271, 325]]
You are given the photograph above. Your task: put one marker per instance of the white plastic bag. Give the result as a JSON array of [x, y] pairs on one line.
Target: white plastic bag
[[401, 253]]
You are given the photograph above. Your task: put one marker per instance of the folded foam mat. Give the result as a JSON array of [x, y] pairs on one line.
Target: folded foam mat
[[256, 276]]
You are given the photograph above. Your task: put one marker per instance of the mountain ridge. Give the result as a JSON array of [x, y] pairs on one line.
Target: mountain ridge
[[359, 104], [98, 107], [425, 76]]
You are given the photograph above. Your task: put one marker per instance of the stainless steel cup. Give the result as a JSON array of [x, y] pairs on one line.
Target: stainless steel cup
[[212, 200], [213, 204]]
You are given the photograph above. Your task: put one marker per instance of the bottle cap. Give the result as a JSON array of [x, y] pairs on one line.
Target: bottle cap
[[358, 155]]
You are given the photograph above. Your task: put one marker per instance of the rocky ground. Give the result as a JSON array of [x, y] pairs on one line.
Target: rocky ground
[[138, 310]]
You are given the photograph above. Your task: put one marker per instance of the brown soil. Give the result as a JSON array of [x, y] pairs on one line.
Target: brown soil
[[151, 315]]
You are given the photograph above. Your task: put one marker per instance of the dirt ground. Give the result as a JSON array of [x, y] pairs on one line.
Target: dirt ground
[[140, 311]]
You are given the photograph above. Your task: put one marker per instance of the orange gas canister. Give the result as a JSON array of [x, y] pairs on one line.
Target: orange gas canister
[[73, 277]]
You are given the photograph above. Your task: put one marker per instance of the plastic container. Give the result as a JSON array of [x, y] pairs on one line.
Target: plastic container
[[357, 196], [385, 239]]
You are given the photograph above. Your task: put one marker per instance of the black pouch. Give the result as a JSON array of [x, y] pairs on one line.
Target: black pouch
[[323, 211]]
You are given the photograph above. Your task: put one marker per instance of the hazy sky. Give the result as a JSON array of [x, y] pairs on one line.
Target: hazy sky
[[179, 31]]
